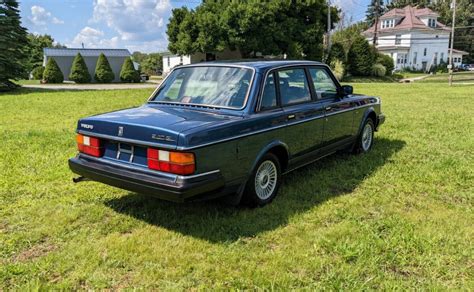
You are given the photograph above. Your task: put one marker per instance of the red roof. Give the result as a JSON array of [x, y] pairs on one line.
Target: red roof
[[410, 19]]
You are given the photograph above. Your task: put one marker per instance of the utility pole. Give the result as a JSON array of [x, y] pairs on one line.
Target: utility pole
[[329, 25], [450, 66], [377, 3]]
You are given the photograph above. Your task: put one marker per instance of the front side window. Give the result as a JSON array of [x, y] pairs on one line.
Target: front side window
[[293, 86], [207, 85], [269, 97], [323, 83]]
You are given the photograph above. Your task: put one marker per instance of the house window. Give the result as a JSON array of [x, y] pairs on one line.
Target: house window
[[181, 60], [435, 59], [442, 57], [402, 59], [431, 22], [388, 23], [415, 54], [398, 39], [168, 61], [424, 52]]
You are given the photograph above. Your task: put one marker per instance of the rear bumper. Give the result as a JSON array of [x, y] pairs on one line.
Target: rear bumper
[[164, 186], [380, 120]]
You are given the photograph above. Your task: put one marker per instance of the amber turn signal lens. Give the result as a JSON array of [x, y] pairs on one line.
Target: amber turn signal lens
[[181, 158]]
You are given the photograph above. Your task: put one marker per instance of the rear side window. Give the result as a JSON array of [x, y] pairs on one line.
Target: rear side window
[[293, 86], [269, 97], [323, 83]]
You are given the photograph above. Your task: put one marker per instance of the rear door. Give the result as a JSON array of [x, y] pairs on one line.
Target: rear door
[[304, 131], [339, 114]]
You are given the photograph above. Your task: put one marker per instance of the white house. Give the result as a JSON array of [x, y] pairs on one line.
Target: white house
[[413, 37], [170, 61]]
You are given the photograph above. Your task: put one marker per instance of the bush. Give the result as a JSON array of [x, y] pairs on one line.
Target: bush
[[361, 57], [52, 73], [442, 67], [37, 73], [378, 70], [337, 52], [387, 62], [338, 69], [103, 72], [128, 72], [79, 71]]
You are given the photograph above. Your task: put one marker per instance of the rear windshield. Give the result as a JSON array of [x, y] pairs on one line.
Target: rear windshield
[[207, 85]]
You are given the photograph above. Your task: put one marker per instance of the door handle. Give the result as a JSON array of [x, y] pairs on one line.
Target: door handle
[[290, 117], [328, 108]]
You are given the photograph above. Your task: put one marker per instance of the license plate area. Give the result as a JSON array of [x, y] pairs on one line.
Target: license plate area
[[125, 152]]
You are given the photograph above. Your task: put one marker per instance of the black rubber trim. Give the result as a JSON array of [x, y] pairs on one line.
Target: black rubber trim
[[160, 187]]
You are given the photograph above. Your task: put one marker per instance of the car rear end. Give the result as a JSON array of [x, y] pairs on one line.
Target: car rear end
[[134, 163]]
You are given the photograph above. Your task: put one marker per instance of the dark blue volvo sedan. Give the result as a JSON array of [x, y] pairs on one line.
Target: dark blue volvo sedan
[[226, 129]]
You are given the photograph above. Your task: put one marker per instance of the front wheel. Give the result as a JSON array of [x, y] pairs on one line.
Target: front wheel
[[264, 182], [366, 138]]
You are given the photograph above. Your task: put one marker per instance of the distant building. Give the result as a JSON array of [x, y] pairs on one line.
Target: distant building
[[170, 61], [65, 57], [457, 57], [413, 37]]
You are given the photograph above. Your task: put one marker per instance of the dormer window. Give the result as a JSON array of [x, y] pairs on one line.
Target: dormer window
[[388, 23], [432, 22]]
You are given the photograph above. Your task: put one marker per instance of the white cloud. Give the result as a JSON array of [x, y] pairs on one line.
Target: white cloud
[[92, 38], [134, 20], [41, 16]]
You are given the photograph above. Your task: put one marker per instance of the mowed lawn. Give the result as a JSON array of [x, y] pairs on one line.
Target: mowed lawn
[[401, 216]]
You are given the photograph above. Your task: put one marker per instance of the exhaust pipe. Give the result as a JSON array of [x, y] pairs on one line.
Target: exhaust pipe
[[79, 179]]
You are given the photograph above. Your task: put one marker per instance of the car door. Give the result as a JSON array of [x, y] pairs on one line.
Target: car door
[[339, 114], [304, 130]]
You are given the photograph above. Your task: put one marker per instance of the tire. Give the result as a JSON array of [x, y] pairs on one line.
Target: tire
[[366, 138], [264, 182]]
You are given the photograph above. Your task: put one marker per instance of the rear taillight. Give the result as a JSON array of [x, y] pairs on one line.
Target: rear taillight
[[89, 145], [173, 162]]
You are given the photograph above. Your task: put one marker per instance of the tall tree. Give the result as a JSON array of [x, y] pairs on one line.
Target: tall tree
[[278, 27], [79, 71], [376, 7], [12, 44], [103, 72], [152, 63]]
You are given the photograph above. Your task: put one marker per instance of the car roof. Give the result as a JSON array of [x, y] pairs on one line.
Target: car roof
[[258, 64]]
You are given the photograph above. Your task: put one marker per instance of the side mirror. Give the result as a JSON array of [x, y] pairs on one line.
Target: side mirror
[[347, 90]]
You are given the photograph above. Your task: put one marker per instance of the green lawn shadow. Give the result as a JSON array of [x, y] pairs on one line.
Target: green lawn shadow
[[301, 190]]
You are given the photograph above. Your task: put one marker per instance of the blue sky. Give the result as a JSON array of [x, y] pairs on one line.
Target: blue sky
[[138, 25]]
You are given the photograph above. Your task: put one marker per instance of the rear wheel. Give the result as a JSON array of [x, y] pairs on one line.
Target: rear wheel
[[264, 182], [366, 138]]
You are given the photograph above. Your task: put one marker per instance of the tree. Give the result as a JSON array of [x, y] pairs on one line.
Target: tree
[[361, 57], [294, 28], [337, 52], [12, 44], [52, 73], [79, 71], [348, 35], [152, 63], [374, 9], [128, 72], [103, 72], [138, 56]]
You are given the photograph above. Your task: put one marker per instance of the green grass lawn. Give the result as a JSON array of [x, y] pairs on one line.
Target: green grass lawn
[[399, 217]]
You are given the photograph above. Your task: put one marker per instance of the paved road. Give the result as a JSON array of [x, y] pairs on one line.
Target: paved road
[[91, 86]]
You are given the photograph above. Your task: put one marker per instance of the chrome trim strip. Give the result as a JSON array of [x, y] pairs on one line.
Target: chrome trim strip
[[182, 148], [126, 140], [124, 164], [252, 79]]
